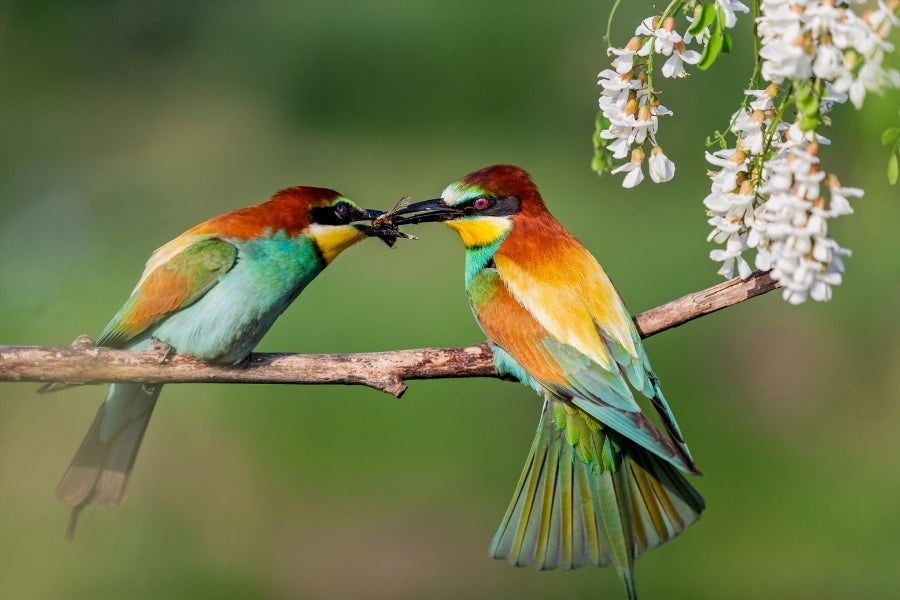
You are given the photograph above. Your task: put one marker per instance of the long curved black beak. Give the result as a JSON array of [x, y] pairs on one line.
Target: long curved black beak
[[383, 229], [426, 211]]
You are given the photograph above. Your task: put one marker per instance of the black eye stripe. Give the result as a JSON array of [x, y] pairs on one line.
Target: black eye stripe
[[337, 214], [491, 206]]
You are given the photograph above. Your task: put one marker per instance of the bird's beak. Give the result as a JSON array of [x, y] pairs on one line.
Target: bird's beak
[[384, 229], [426, 211]]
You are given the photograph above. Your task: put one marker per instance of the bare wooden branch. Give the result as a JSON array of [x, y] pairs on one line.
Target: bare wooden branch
[[83, 363], [687, 308]]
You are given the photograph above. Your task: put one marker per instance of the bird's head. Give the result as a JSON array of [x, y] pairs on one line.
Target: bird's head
[[483, 207], [332, 221]]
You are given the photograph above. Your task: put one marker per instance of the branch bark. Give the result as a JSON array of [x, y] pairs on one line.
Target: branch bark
[[84, 363]]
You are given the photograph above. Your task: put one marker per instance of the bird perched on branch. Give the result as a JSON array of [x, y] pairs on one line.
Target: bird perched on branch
[[211, 294], [602, 483]]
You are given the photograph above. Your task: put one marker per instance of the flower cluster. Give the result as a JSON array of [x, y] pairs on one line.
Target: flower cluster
[[769, 192], [801, 39], [630, 106], [776, 206], [628, 102]]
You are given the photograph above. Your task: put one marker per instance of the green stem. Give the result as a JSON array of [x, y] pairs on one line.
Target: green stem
[[757, 63], [608, 37], [671, 10], [770, 134]]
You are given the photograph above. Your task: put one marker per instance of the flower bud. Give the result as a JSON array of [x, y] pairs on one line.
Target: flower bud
[[631, 107], [634, 44]]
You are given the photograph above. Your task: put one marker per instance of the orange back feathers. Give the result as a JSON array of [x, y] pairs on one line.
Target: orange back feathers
[[287, 210]]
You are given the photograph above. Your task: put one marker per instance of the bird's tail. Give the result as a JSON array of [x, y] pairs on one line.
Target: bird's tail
[[101, 468], [588, 495]]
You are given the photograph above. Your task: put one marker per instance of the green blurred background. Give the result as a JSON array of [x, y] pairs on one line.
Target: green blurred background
[[124, 123]]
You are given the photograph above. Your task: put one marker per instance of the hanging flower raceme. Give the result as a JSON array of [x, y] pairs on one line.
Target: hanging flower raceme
[[629, 106], [828, 40], [770, 194], [771, 201]]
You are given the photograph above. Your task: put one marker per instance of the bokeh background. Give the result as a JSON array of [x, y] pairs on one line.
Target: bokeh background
[[123, 123]]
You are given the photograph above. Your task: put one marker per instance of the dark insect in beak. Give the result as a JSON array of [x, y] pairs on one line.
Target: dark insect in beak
[[383, 226]]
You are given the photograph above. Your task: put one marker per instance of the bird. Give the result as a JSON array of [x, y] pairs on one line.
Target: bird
[[602, 483], [211, 293]]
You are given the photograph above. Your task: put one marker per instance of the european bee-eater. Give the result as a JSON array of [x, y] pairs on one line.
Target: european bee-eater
[[601, 483], [211, 294]]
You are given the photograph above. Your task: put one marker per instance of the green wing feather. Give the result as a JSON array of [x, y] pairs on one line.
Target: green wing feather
[[166, 286]]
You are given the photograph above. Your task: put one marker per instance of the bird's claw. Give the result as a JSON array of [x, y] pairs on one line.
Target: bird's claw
[[165, 350]]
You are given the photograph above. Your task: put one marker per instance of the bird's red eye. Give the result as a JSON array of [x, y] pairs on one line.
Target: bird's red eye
[[481, 203], [341, 210]]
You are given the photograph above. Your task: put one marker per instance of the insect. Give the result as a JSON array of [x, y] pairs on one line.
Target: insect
[[385, 227]]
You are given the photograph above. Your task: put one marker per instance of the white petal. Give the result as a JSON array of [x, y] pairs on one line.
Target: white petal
[[672, 68], [661, 168], [634, 177], [691, 57]]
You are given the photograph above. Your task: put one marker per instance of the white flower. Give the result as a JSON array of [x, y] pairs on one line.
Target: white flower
[[784, 60], [674, 66], [749, 129], [624, 61], [829, 40], [839, 204], [882, 19], [637, 127], [763, 100], [615, 88], [647, 27], [730, 214], [728, 7], [632, 169], [701, 38], [778, 211], [829, 62], [730, 256], [661, 168], [731, 162], [666, 38]]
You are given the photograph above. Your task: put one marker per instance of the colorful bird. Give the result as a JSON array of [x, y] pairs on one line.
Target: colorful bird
[[211, 294], [601, 484]]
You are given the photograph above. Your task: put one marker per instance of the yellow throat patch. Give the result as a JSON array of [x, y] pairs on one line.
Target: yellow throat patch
[[334, 239], [480, 231]]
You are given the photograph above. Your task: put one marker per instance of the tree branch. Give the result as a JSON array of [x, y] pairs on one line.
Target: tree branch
[[82, 362]]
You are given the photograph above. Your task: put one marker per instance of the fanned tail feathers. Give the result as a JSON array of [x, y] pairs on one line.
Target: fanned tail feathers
[[100, 470], [589, 496]]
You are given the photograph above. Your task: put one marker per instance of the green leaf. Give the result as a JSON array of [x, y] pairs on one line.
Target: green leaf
[[893, 169], [712, 50], [808, 122], [726, 46], [890, 135], [807, 101], [714, 45], [603, 158], [707, 15]]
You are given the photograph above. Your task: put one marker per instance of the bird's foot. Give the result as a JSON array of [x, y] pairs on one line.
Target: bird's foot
[[83, 342], [166, 351]]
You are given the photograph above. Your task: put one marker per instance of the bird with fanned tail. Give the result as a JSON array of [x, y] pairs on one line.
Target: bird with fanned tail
[[602, 483]]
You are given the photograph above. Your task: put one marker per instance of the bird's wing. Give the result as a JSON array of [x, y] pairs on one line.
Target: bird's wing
[[176, 276], [593, 344], [572, 298], [527, 350]]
